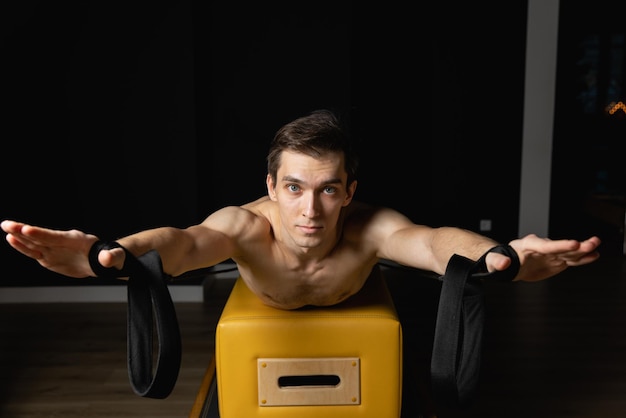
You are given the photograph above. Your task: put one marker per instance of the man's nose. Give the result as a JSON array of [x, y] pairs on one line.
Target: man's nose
[[310, 206]]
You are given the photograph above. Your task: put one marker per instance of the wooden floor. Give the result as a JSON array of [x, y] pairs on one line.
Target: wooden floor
[[552, 349], [69, 360]]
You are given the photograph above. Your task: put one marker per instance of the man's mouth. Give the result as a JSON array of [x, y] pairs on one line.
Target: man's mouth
[[307, 229]]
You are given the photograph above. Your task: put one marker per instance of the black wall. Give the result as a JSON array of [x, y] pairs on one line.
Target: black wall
[[125, 116], [438, 95], [98, 120], [258, 66], [431, 95], [588, 190]]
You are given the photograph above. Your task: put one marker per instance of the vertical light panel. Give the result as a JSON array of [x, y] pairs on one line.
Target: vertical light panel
[[539, 98]]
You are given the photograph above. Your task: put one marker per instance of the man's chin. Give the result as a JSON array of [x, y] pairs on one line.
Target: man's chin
[[309, 242]]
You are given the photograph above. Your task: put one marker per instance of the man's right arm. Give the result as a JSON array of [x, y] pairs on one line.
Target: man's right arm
[[181, 250]]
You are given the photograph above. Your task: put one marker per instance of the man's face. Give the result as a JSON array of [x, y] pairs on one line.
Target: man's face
[[310, 193]]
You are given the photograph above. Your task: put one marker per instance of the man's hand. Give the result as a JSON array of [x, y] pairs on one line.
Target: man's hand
[[64, 252], [541, 258]]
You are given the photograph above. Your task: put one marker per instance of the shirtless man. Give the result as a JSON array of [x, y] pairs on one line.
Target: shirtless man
[[307, 242]]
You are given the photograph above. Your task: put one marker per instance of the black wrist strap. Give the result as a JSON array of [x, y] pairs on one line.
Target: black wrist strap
[[457, 348], [130, 264], [150, 307], [507, 275]]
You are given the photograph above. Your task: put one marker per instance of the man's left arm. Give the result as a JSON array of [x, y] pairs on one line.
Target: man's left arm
[[426, 248]]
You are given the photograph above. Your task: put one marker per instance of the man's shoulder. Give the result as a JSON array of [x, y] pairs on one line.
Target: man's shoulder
[[244, 220], [259, 207], [260, 210], [244, 213]]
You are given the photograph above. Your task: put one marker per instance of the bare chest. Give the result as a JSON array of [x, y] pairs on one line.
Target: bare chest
[[291, 289]]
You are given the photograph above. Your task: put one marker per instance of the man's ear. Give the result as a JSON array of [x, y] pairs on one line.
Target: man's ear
[[350, 193], [271, 187]]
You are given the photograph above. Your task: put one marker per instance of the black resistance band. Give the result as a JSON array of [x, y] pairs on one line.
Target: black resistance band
[[457, 349], [150, 307]]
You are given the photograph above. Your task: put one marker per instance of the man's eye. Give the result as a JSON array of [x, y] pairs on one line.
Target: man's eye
[[293, 187], [330, 190]]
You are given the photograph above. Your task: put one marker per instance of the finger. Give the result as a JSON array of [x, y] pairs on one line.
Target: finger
[[112, 258], [585, 248], [584, 259], [25, 247], [532, 243], [43, 235], [497, 261], [25, 233], [11, 227], [590, 244]]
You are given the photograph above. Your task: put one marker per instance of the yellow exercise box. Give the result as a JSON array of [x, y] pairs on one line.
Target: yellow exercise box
[[332, 362]]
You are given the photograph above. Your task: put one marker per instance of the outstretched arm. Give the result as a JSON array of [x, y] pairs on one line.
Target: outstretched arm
[[426, 248], [540, 258], [181, 250]]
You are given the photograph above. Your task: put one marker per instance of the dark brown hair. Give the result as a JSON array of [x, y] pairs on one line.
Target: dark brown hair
[[315, 134]]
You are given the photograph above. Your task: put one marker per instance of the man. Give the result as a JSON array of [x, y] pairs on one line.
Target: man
[[307, 242]]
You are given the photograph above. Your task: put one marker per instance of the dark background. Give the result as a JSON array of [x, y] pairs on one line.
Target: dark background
[[122, 116], [588, 193]]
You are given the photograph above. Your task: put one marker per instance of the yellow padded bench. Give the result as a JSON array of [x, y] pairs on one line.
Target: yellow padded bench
[[332, 362]]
